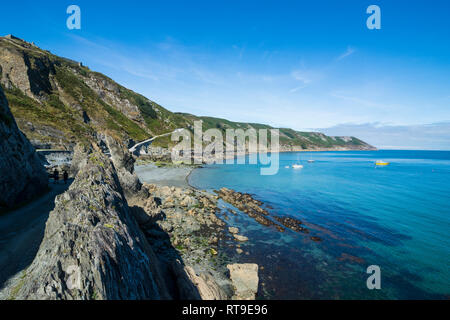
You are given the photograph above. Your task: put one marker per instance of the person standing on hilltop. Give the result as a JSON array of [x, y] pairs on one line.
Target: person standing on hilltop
[[55, 176], [65, 176]]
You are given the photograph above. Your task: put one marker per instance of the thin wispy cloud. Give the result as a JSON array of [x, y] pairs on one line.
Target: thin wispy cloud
[[304, 77], [347, 53], [356, 100], [293, 90], [301, 76], [240, 50]]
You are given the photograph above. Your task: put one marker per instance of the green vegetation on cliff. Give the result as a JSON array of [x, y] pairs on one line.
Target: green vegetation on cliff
[[58, 102]]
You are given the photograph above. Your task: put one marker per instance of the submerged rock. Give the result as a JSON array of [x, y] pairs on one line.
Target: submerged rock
[[245, 280], [291, 223], [22, 175], [248, 205], [240, 238], [92, 247], [233, 230]]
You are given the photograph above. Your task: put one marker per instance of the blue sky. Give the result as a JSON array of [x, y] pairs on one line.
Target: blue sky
[[298, 64]]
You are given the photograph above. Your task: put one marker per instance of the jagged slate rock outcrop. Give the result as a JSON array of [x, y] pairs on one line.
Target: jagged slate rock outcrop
[[119, 156], [93, 247], [124, 163], [79, 159], [22, 175]]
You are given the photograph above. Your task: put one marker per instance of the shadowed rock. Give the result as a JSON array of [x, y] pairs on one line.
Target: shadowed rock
[[22, 176]]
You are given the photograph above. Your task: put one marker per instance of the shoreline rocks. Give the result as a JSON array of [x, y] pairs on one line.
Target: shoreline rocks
[[252, 207], [245, 280], [206, 285], [182, 226], [291, 223], [248, 205], [240, 238]]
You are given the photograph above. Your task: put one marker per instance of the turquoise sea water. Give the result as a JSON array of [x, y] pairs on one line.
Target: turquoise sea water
[[396, 217]]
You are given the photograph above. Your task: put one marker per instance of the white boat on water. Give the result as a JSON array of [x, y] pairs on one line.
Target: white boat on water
[[311, 161], [297, 165], [286, 167]]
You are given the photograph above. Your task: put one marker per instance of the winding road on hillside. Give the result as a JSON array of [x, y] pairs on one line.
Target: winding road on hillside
[[149, 141], [22, 231]]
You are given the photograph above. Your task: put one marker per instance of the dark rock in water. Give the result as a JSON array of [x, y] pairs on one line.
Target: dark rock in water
[[292, 224], [22, 175], [93, 247], [248, 205]]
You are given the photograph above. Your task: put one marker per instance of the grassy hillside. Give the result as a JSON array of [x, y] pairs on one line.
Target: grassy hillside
[[57, 101], [288, 137]]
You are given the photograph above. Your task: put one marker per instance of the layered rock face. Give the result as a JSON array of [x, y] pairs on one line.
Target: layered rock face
[[124, 164], [93, 247], [22, 175], [28, 73]]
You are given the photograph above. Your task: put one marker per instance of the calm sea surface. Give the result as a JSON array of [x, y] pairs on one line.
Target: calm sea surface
[[396, 217]]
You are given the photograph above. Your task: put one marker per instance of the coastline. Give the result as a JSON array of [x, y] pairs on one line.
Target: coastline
[[178, 175], [202, 229], [189, 174], [172, 176], [228, 240]]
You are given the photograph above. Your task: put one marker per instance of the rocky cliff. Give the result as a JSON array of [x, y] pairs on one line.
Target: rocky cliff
[[93, 247], [21, 173]]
